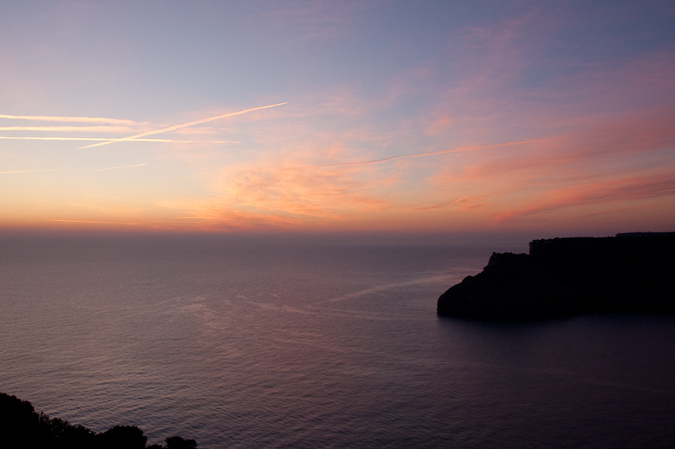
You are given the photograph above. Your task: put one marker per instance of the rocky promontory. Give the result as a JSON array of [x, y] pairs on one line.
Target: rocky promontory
[[632, 272]]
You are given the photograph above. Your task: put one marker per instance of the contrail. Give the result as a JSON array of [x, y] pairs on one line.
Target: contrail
[[100, 139], [457, 201], [87, 129], [122, 166], [409, 156], [97, 222], [438, 206], [184, 125], [25, 171], [48, 118]]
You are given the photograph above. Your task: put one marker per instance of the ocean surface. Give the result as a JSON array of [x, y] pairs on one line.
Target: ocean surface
[[269, 345]]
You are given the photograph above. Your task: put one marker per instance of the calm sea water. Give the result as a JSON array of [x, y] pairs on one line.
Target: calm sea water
[[244, 345]]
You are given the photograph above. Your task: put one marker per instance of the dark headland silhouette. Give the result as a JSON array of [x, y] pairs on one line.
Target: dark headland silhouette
[[21, 427], [628, 273]]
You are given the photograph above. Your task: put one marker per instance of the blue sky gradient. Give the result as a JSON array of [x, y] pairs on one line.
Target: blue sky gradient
[[369, 116]]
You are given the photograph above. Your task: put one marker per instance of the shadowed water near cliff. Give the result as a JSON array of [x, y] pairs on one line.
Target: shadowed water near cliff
[[316, 347]]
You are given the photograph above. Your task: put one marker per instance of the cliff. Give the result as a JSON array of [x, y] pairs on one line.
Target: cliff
[[632, 272]]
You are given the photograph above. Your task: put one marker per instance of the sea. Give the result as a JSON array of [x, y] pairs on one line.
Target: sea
[[246, 343]]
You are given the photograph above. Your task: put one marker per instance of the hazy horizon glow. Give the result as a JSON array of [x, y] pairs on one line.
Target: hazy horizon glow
[[338, 117]]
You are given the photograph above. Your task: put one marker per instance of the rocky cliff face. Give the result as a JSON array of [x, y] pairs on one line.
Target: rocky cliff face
[[566, 276]]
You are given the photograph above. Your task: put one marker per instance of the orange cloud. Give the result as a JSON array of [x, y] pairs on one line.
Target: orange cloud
[[314, 193], [214, 216]]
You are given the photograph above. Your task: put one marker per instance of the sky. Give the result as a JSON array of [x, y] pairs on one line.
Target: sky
[[540, 117]]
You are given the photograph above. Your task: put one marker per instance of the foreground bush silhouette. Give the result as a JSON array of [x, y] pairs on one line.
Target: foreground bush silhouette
[[176, 443], [21, 427], [130, 437]]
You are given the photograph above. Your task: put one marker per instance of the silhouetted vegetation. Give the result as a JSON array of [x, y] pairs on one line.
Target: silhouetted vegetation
[[176, 443], [21, 427]]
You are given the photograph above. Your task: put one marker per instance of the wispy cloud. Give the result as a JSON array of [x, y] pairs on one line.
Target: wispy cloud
[[215, 215], [607, 192], [315, 20], [122, 166], [416, 155], [598, 148], [342, 189], [184, 125]]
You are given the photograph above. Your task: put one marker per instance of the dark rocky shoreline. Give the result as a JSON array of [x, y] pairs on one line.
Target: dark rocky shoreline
[[628, 273]]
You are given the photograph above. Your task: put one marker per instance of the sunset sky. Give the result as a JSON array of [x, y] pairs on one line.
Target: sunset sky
[[338, 116]]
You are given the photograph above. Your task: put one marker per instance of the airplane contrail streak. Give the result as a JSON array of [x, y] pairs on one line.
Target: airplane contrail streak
[[184, 125], [100, 139], [122, 166], [48, 118], [457, 201], [25, 171], [88, 129], [439, 206], [96, 222], [410, 156]]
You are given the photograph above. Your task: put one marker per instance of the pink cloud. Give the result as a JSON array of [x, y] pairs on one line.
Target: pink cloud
[[597, 148], [440, 125], [602, 193], [310, 20]]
